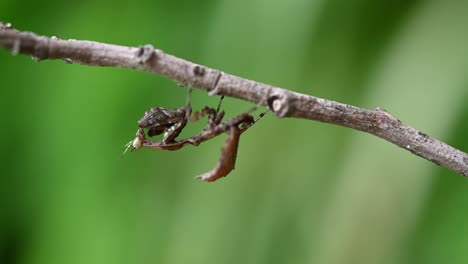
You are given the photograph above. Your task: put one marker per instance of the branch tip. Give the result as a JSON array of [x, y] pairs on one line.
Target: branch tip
[[279, 103]]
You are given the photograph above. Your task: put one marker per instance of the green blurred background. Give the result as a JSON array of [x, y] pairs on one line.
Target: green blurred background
[[302, 191]]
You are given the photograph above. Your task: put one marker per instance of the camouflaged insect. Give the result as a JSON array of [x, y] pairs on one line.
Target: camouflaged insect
[[169, 120]]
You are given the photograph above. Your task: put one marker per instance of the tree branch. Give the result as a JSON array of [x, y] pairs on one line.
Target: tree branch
[[283, 103]]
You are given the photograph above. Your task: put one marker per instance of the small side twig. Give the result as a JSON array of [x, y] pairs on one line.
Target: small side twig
[[282, 102]]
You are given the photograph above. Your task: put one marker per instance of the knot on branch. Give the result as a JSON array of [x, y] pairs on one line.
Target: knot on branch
[[279, 102], [199, 71], [37, 46], [145, 53], [6, 26]]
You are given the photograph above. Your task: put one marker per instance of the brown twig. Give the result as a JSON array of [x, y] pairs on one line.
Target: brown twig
[[283, 103]]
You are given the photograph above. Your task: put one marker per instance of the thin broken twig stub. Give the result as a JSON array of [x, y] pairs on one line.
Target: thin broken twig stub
[[282, 102]]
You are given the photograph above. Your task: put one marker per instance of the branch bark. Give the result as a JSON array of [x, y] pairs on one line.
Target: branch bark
[[282, 102]]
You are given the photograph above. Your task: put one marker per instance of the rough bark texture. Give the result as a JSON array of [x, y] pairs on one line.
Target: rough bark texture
[[283, 103]]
